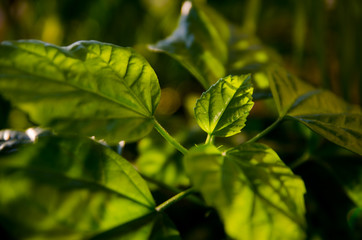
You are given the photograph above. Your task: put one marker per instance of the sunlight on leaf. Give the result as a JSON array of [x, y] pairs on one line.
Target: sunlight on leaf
[[89, 88], [222, 109], [255, 193], [70, 188]]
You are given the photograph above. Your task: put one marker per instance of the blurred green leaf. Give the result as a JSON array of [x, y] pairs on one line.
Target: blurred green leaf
[[160, 161], [164, 229], [210, 48], [320, 110], [68, 188], [223, 108], [89, 87], [255, 193]]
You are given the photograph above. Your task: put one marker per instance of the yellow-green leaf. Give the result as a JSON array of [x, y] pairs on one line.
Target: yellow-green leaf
[[255, 193], [69, 188], [222, 109], [88, 87]]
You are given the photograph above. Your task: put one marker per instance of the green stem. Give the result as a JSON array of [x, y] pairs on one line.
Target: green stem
[[169, 188], [209, 139], [264, 132], [251, 16], [305, 157], [169, 138], [173, 200]]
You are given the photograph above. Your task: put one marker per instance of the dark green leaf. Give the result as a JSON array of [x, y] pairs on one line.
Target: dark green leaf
[[222, 109], [255, 193], [210, 48], [320, 110], [162, 229], [89, 87], [66, 188]]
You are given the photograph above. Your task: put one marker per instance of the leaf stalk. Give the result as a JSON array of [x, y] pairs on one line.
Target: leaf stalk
[[174, 199], [265, 131], [169, 138]]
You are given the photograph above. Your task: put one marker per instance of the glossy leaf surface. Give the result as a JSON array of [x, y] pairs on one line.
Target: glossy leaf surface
[[210, 48], [67, 188], [222, 109], [255, 193], [89, 87], [320, 110]]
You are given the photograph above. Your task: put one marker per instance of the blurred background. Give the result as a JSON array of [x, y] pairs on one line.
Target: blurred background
[[319, 40]]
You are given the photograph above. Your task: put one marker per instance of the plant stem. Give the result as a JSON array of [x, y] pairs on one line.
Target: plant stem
[[251, 16], [305, 157], [169, 188], [209, 139], [264, 132], [173, 200], [169, 138]]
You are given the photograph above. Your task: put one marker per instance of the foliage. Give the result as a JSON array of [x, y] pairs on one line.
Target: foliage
[[69, 182]]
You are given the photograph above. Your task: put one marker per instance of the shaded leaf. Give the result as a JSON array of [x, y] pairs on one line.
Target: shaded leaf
[[255, 193], [222, 109], [162, 229], [210, 47], [88, 87], [160, 161], [67, 188], [320, 110]]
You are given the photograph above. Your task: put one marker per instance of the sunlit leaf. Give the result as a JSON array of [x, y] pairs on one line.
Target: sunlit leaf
[[222, 109], [210, 47], [68, 188], [89, 87], [255, 193], [320, 110]]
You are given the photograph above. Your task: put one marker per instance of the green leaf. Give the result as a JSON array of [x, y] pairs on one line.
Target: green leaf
[[162, 229], [222, 109], [255, 193], [160, 161], [69, 188], [89, 87], [320, 110], [210, 47]]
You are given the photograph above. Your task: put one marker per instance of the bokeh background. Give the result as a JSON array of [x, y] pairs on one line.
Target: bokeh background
[[319, 40]]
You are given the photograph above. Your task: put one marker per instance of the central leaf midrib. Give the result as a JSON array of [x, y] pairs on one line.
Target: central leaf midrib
[[83, 62], [227, 104], [74, 86], [120, 77], [85, 181]]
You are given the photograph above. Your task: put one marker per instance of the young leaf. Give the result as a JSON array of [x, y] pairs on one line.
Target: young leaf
[[209, 47], [66, 188], [90, 88], [222, 109], [320, 110], [255, 193]]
